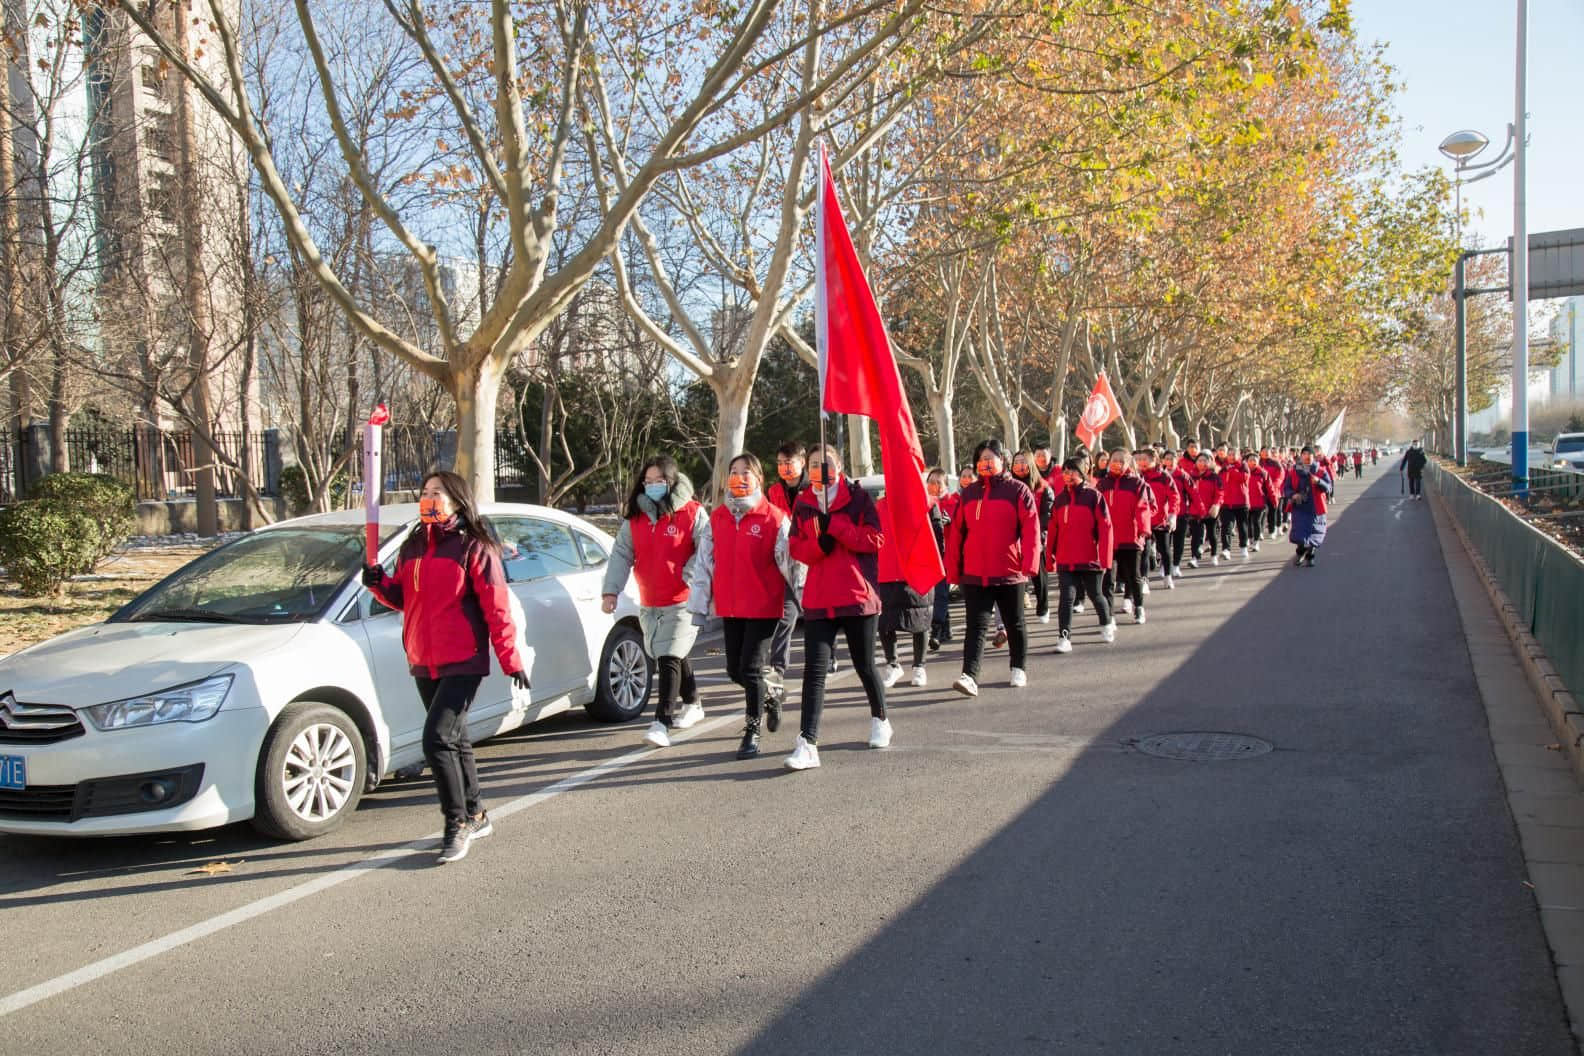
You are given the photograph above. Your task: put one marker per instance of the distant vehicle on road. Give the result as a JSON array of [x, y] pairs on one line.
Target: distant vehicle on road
[[262, 681], [1567, 451]]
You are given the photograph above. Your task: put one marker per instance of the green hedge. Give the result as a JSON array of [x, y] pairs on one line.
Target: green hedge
[[69, 522], [108, 503]]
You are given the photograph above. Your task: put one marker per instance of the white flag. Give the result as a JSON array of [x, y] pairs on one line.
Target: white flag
[[1331, 439]]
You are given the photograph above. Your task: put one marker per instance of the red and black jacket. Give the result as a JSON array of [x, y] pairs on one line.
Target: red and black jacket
[[1234, 486], [784, 496], [1260, 492], [451, 590], [843, 582], [1206, 494], [1131, 505], [995, 538], [1081, 539], [1168, 497]]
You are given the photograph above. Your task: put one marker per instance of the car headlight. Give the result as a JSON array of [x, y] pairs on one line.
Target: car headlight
[[192, 703]]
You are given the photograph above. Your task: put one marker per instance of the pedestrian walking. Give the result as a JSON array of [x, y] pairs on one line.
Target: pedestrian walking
[[1306, 491], [836, 533], [1172, 467], [791, 481], [450, 587], [992, 549], [1165, 511], [1414, 461], [903, 610], [1358, 464], [1130, 503], [743, 574], [1234, 503], [1204, 509], [657, 541], [1262, 497], [1025, 469], [1079, 551], [1275, 473], [943, 507]]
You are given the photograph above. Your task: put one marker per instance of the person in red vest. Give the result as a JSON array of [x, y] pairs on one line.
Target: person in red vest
[[1167, 508], [1306, 490], [791, 481], [903, 610], [1131, 504], [661, 525], [1275, 474], [943, 507], [1261, 497], [992, 549], [743, 574], [836, 533], [1026, 469], [1204, 507], [1234, 503], [1079, 551], [1358, 463]]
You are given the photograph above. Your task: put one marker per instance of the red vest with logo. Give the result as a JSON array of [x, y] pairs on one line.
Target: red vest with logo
[[661, 550], [748, 582]]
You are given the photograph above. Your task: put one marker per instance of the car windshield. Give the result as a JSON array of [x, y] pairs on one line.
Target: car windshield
[[282, 576], [1570, 443]]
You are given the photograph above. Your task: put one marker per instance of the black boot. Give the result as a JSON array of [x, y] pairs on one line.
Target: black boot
[[1309, 556], [749, 748], [775, 696]]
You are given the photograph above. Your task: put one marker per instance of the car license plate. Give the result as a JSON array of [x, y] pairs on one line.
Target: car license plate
[[13, 771]]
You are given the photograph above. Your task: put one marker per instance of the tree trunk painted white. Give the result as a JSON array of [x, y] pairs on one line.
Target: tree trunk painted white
[[860, 447], [477, 393], [940, 407]]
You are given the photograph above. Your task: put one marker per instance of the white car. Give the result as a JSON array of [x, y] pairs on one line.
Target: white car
[[262, 681], [1567, 451]]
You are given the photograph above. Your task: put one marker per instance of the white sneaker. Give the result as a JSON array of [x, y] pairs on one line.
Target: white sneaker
[[893, 675], [1226, 555], [1193, 562], [919, 677], [1177, 572], [692, 715], [1171, 583], [657, 735], [1019, 678], [879, 733], [1064, 644], [1254, 547], [1215, 559], [966, 685], [1138, 617], [1127, 606], [1108, 632], [1245, 553], [1078, 608], [1145, 588], [1045, 618], [805, 756]]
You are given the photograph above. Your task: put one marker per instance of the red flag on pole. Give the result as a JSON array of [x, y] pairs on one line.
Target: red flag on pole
[[858, 375], [372, 474], [1100, 410]]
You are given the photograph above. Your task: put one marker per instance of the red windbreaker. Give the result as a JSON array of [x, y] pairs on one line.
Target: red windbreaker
[[1080, 537], [451, 590], [841, 583], [784, 496], [994, 539], [1168, 499], [1206, 494], [1234, 485], [1260, 492], [1131, 505]]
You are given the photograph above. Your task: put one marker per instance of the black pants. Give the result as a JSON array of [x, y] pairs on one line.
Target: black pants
[[1163, 547], [1179, 539], [819, 645], [747, 644], [940, 626], [1127, 565], [676, 677], [1204, 530], [888, 642], [1074, 585], [1041, 591], [1234, 515], [781, 641], [1256, 518], [979, 602], [1272, 519], [446, 747], [1414, 482], [1358, 469]]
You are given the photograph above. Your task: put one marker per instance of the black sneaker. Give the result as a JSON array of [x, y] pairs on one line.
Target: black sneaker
[[457, 840], [773, 701], [480, 824], [749, 748], [934, 645]]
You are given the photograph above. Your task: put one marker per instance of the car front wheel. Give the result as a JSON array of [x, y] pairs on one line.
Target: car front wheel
[[311, 772], [625, 673]]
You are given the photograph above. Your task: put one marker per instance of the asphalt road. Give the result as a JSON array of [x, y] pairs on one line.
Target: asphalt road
[[1013, 875]]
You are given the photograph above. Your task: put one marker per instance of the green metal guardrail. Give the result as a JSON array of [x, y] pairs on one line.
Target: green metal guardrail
[[1541, 578]]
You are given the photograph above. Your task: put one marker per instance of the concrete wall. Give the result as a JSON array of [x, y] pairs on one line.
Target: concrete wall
[[180, 516]]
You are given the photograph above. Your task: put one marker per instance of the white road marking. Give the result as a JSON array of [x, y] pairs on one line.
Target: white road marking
[[204, 928], [1219, 582]]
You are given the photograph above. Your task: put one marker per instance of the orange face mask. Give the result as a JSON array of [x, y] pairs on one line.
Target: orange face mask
[[1042, 461], [788, 474], [822, 474], [741, 485], [1115, 468], [429, 511]]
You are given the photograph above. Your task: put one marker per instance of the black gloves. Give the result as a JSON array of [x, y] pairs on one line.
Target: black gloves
[[519, 679], [373, 575], [827, 543], [824, 522]]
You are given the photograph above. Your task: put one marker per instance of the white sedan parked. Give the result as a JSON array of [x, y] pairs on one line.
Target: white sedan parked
[[261, 681]]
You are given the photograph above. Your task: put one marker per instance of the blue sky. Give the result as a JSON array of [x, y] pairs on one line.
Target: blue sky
[[1455, 61]]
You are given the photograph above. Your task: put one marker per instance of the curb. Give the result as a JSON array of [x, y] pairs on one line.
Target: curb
[[1560, 707]]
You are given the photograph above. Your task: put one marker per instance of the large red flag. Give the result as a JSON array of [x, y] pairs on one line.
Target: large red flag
[[858, 375], [1100, 410]]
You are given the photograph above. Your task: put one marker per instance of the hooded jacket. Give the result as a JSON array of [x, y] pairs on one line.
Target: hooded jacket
[[1168, 498], [1234, 485], [995, 538], [1206, 494], [1081, 537], [843, 582], [1131, 505]]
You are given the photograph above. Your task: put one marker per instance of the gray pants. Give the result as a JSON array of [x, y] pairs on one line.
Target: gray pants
[[781, 641]]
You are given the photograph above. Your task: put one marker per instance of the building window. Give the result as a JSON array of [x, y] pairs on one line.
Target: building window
[[160, 136], [153, 77], [162, 198]]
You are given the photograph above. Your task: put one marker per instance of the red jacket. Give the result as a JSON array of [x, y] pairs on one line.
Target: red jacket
[[782, 496], [948, 504], [1080, 531], [841, 583], [1260, 492], [994, 539], [1168, 499], [1188, 465], [1131, 505], [1320, 488], [1234, 485], [451, 590], [661, 549], [747, 583], [1206, 494], [1185, 489], [1358, 458], [1275, 472]]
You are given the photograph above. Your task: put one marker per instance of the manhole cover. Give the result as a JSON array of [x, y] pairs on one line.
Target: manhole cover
[[1203, 747]]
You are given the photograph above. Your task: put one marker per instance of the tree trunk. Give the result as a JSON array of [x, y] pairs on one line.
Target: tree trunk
[[860, 459], [940, 407], [196, 293], [733, 393], [60, 457], [477, 392], [547, 433]]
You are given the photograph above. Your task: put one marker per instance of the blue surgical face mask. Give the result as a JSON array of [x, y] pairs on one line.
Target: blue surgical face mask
[[656, 492]]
